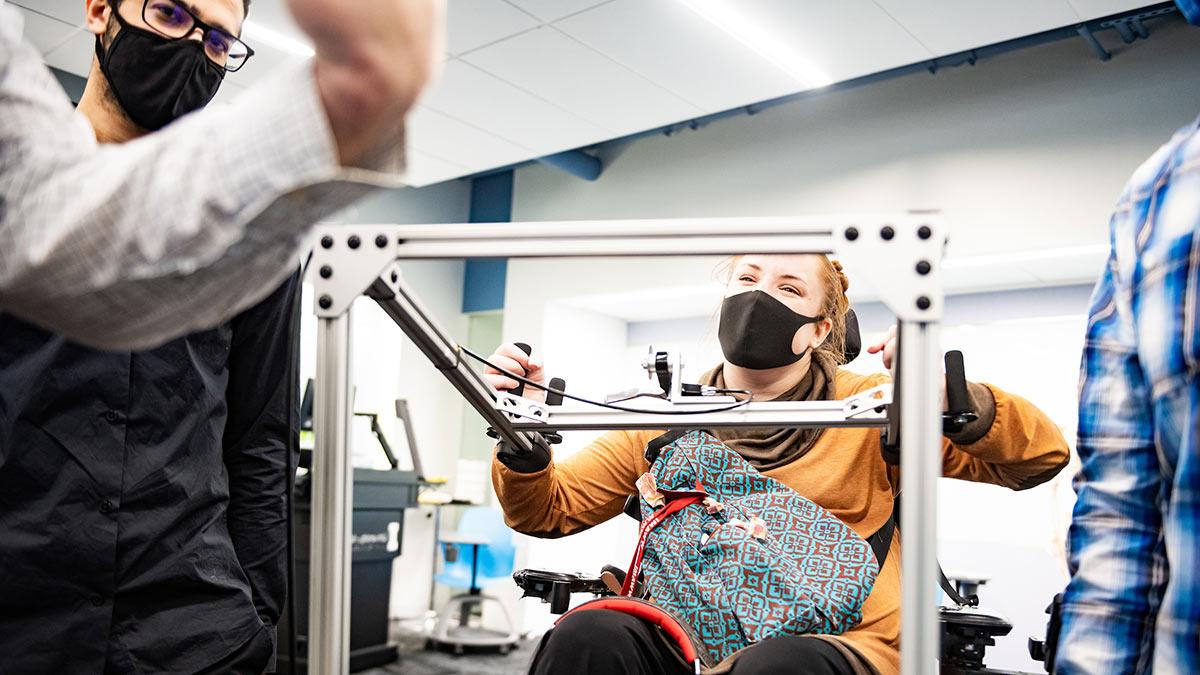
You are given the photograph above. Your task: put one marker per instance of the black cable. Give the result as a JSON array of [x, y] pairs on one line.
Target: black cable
[[749, 394], [293, 449]]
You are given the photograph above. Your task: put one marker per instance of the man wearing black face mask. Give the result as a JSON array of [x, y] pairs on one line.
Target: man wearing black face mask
[[164, 62], [142, 522]]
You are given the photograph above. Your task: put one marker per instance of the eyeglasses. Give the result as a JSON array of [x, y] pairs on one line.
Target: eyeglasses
[[171, 19]]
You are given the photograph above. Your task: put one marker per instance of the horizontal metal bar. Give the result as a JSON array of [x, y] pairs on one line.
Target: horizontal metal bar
[[770, 414], [660, 237], [592, 248], [400, 304], [623, 229]]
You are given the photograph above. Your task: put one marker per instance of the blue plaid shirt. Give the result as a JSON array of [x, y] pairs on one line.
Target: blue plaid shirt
[[1133, 604]]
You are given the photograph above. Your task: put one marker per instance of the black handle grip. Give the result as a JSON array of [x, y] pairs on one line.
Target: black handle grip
[[553, 397], [957, 398], [520, 390], [560, 597]]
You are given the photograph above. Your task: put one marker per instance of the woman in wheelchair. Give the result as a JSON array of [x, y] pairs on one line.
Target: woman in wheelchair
[[782, 332]]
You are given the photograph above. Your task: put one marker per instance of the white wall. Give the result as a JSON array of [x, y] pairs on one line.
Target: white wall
[[387, 366], [1021, 151]]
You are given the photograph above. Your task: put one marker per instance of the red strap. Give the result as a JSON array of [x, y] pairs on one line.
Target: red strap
[[648, 612], [655, 519]]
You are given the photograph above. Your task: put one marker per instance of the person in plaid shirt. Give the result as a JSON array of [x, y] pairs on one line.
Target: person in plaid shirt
[[1133, 602]]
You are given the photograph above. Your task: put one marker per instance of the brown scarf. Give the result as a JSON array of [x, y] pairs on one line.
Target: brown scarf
[[770, 448]]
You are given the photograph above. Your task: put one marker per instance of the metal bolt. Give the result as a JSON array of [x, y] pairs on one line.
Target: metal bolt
[[395, 277], [353, 241], [923, 302], [327, 242], [924, 232], [380, 241], [924, 267], [887, 233], [326, 271], [851, 233], [325, 302]]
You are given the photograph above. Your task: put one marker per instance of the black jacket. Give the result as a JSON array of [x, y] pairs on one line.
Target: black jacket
[[142, 496]]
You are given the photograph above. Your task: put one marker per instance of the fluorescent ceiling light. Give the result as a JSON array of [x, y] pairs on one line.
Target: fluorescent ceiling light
[[258, 33], [725, 16], [1025, 256]]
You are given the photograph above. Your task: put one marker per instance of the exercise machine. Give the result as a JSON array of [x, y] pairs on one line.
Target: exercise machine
[[899, 255]]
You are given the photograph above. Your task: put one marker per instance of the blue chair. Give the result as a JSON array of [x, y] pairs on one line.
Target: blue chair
[[479, 553]]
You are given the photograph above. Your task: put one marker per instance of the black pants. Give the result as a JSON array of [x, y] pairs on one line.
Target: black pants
[[602, 641]]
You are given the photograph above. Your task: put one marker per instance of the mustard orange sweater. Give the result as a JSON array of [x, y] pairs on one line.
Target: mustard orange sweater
[[843, 472]]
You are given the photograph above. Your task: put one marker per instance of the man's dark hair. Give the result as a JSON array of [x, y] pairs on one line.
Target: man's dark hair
[[245, 7]]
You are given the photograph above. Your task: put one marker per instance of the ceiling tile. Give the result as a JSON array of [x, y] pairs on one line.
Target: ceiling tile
[[227, 93], [75, 55], [948, 26], [672, 46], [275, 16], [45, 33], [486, 102], [581, 80], [451, 140], [267, 62], [553, 10], [964, 280], [425, 169], [844, 39], [1094, 9], [471, 24], [70, 11]]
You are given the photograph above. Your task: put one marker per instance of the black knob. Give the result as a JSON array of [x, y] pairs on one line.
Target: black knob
[[380, 241], [851, 233], [924, 267], [552, 397], [325, 302], [520, 390], [353, 241], [326, 271], [887, 233], [327, 242], [924, 232], [923, 302]]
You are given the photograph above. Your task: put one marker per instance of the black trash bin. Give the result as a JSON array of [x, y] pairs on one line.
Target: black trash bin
[[377, 527]]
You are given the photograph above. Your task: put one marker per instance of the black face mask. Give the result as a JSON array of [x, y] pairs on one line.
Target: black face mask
[[757, 331], [155, 79]]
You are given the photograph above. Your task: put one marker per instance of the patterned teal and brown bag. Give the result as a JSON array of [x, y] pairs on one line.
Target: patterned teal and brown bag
[[739, 556]]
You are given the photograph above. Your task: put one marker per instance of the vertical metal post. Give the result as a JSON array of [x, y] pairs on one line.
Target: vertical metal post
[[919, 377], [329, 575]]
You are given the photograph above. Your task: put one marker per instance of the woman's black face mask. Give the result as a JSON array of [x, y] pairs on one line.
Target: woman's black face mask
[[757, 331], [156, 79]]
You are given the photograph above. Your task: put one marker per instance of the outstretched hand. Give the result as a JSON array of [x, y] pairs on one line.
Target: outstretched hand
[[373, 58], [511, 358], [887, 345]]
